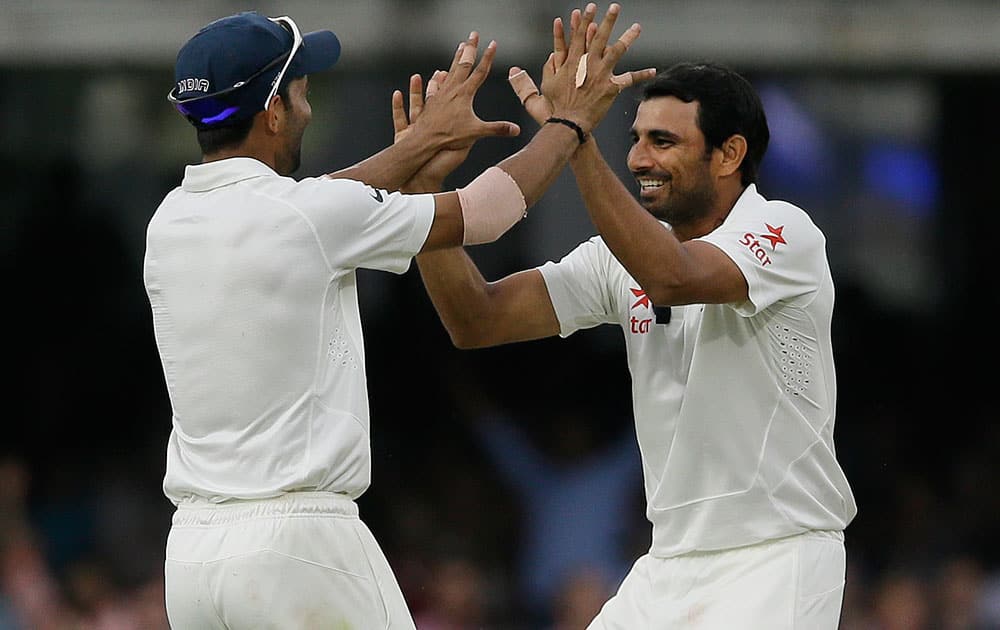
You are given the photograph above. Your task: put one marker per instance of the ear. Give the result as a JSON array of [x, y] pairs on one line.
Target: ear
[[732, 152], [274, 115]]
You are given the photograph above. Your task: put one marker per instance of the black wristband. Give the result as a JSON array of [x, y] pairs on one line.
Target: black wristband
[[581, 136]]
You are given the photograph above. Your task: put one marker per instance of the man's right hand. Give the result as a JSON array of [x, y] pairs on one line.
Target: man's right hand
[[562, 70], [431, 175], [449, 118]]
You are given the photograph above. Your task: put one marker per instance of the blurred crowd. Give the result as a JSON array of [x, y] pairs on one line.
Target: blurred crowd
[[61, 567]]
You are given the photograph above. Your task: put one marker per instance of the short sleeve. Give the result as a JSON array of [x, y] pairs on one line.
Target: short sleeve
[[362, 227], [578, 287], [780, 251]]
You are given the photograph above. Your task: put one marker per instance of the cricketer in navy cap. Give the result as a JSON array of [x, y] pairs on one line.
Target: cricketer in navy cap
[[233, 67]]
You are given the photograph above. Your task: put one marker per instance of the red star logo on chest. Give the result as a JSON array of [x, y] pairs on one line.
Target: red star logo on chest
[[643, 298], [774, 237]]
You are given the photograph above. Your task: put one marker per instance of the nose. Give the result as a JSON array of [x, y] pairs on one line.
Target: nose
[[638, 158]]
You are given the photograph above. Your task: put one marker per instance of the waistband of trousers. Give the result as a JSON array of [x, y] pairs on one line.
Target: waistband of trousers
[[193, 512]]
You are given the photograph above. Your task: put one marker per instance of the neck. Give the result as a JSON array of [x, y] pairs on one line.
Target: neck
[[726, 198], [257, 145]]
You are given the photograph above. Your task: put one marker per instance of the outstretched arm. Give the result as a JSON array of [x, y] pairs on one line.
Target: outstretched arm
[[480, 313], [475, 312], [451, 123]]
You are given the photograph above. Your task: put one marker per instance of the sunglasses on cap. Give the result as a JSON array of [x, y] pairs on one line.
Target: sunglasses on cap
[[196, 106]]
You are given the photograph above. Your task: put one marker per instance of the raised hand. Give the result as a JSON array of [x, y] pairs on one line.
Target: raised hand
[[432, 174], [591, 57], [450, 114]]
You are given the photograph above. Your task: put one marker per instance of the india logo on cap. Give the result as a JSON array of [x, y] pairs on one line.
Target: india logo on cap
[[193, 85]]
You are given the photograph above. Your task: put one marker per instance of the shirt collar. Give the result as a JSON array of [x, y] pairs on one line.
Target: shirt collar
[[749, 197], [210, 175]]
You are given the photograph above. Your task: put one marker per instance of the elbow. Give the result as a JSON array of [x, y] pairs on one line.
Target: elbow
[[468, 337], [665, 291], [463, 341]]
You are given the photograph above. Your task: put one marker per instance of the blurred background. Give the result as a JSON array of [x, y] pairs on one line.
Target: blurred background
[[513, 506]]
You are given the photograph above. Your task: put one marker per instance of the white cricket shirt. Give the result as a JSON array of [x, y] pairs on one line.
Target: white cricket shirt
[[251, 279], [734, 403]]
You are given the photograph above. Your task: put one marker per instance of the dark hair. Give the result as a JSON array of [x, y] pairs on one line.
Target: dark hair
[[727, 105], [215, 139]]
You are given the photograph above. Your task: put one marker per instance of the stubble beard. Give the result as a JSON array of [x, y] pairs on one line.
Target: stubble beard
[[685, 206], [293, 155]]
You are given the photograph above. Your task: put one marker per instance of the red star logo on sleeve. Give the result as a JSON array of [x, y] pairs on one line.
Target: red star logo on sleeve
[[775, 236], [643, 298]]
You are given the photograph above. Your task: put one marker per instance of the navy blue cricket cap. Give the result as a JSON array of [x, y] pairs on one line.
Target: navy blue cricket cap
[[225, 73]]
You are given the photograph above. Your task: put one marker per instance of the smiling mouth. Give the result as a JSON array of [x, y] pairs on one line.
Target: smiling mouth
[[650, 185]]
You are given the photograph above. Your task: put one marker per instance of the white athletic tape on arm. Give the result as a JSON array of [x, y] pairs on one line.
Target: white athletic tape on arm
[[491, 204]]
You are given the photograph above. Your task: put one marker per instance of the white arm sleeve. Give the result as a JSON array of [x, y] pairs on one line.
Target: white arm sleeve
[[578, 287], [780, 251], [360, 226]]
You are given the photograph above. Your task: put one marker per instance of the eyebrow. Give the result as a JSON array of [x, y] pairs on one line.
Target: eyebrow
[[657, 134]]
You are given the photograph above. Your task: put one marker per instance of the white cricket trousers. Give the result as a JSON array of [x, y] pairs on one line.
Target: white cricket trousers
[[301, 560], [794, 583]]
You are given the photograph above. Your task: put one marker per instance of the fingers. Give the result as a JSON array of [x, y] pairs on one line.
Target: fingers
[[416, 97], [574, 21], [549, 68], [399, 121], [603, 34], [559, 42], [468, 58], [578, 35], [465, 57], [613, 54], [522, 83], [627, 79], [485, 64], [434, 84], [630, 35]]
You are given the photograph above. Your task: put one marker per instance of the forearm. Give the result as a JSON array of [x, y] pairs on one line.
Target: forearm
[[458, 291], [419, 184], [650, 253], [538, 164], [393, 167]]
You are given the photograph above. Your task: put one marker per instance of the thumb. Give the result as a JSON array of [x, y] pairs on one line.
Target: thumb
[[500, 128]]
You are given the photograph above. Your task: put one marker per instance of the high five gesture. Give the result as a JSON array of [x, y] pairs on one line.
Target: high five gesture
[[586, 60]]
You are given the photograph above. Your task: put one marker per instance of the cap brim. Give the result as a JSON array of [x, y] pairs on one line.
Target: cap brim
[[320, 50]]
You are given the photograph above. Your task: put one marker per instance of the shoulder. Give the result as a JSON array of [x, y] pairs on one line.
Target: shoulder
[[774, 221], [593, 253], [594, 247], [779, 215], [324, 189]]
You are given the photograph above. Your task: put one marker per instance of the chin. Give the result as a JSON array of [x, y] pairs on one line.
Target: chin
[[654, 208]]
